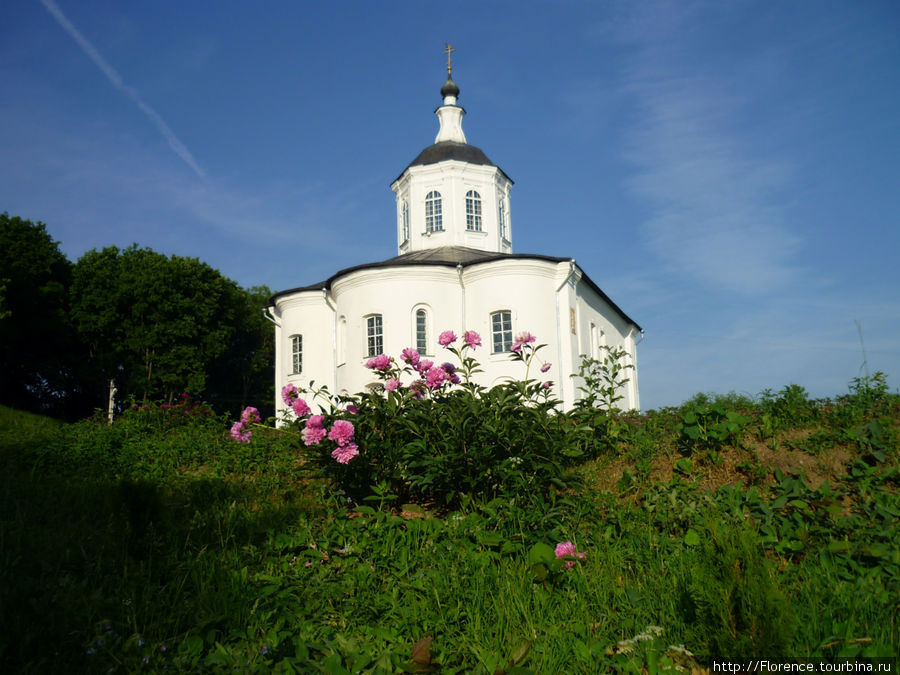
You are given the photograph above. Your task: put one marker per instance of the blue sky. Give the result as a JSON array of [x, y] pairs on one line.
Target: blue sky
[[729, 173]]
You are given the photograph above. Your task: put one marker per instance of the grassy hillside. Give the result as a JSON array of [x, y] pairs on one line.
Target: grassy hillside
[[727, 527]]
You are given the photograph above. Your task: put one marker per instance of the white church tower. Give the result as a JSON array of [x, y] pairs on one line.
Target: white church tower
[[452, 194], [455, 270]]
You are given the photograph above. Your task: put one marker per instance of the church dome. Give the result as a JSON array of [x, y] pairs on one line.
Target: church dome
[[449, 89]]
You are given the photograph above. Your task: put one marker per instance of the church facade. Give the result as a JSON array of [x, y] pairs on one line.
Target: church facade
[[455, 269]]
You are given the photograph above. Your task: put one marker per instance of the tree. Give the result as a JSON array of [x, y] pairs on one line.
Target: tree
[[38, 353], [155, 324], [245, 373]]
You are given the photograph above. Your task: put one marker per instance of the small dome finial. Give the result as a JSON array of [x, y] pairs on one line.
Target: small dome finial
[[449, 90], [448, 49]]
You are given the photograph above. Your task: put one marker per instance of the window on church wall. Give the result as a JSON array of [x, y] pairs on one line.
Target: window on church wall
[[433, 216], [421, 331], [501, 332], [404, 219], [296, 354], [502, 218], [473, 211], [374, 335]]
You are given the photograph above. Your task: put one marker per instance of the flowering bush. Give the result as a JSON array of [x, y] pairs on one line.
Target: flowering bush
[[432, 434]]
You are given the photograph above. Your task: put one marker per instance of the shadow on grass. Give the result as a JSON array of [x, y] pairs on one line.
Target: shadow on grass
[[85, 561]]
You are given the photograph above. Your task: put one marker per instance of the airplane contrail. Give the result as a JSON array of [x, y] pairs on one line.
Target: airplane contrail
[[113, 76]]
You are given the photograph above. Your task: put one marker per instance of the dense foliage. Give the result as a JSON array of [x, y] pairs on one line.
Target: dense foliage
[[38, 359], [161, 541], [156, 325]]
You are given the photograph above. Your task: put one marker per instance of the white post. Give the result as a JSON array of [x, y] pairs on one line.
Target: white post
[[112, 400]]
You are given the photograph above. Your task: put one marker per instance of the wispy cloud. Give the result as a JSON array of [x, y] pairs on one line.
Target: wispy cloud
[[116, 79], [713, 195]]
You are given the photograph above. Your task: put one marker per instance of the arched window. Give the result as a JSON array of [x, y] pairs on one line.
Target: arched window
[[501, 331], [421, 331], [473, 211], [296, 354], [433, 218], [374, 335], [502, 218], [404, 217]]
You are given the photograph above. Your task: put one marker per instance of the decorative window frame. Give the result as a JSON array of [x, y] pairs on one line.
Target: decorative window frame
[[473, 211], [421, 307], [296, 342], [374, 344], [505, 331], [503, 219], [434, 215], [404, 222]]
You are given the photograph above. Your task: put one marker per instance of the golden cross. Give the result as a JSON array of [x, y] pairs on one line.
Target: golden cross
[[448, 50]]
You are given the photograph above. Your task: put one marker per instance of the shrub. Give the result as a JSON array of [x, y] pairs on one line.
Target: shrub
[[431, 434]]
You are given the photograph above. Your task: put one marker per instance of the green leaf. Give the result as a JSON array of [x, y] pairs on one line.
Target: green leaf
[[692, 537]]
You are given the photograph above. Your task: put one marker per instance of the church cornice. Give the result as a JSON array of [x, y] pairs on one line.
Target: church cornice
[[451, 256]]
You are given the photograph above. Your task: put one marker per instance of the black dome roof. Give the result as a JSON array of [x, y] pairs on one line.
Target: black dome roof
[[449, 88], [462, 152]]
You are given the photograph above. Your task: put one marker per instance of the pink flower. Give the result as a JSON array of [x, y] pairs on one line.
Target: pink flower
[[288, 393], [300, 408], [435, 377], [410, 356], [380, 362], [341, 432], [250, 415], [417, 387], [352, 409], [393, 384], [546, 385], [424, 366], [238, 433], [312, 435], [316, 421], [446, 338], [566, 549], [472, 339], [546, 367], [521, 339], [345, 453]]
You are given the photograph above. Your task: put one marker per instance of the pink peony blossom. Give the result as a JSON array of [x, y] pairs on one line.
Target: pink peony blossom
[[312, 435], [448, 337], [472, 339], [547, 385], [341, 432], [352, 409], [393, 384], [410, 356], [316, 421], [288, 393], [250, 415], [238, 433], [435, 377], [566, 549], [417, 387], [424, 366], [300, 408], [522, 338], [345, 453], [546, 367]]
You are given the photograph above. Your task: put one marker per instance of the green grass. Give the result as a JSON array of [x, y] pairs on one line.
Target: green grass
[[148, 545]]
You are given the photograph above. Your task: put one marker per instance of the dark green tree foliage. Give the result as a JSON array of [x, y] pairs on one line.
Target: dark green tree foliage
[[160, 325], [38, 353], [245, 373]]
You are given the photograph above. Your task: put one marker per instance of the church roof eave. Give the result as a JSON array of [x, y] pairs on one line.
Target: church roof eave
[[451, 150], [451, 256]]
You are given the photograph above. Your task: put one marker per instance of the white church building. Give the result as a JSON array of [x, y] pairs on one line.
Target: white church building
[[455, 270]]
